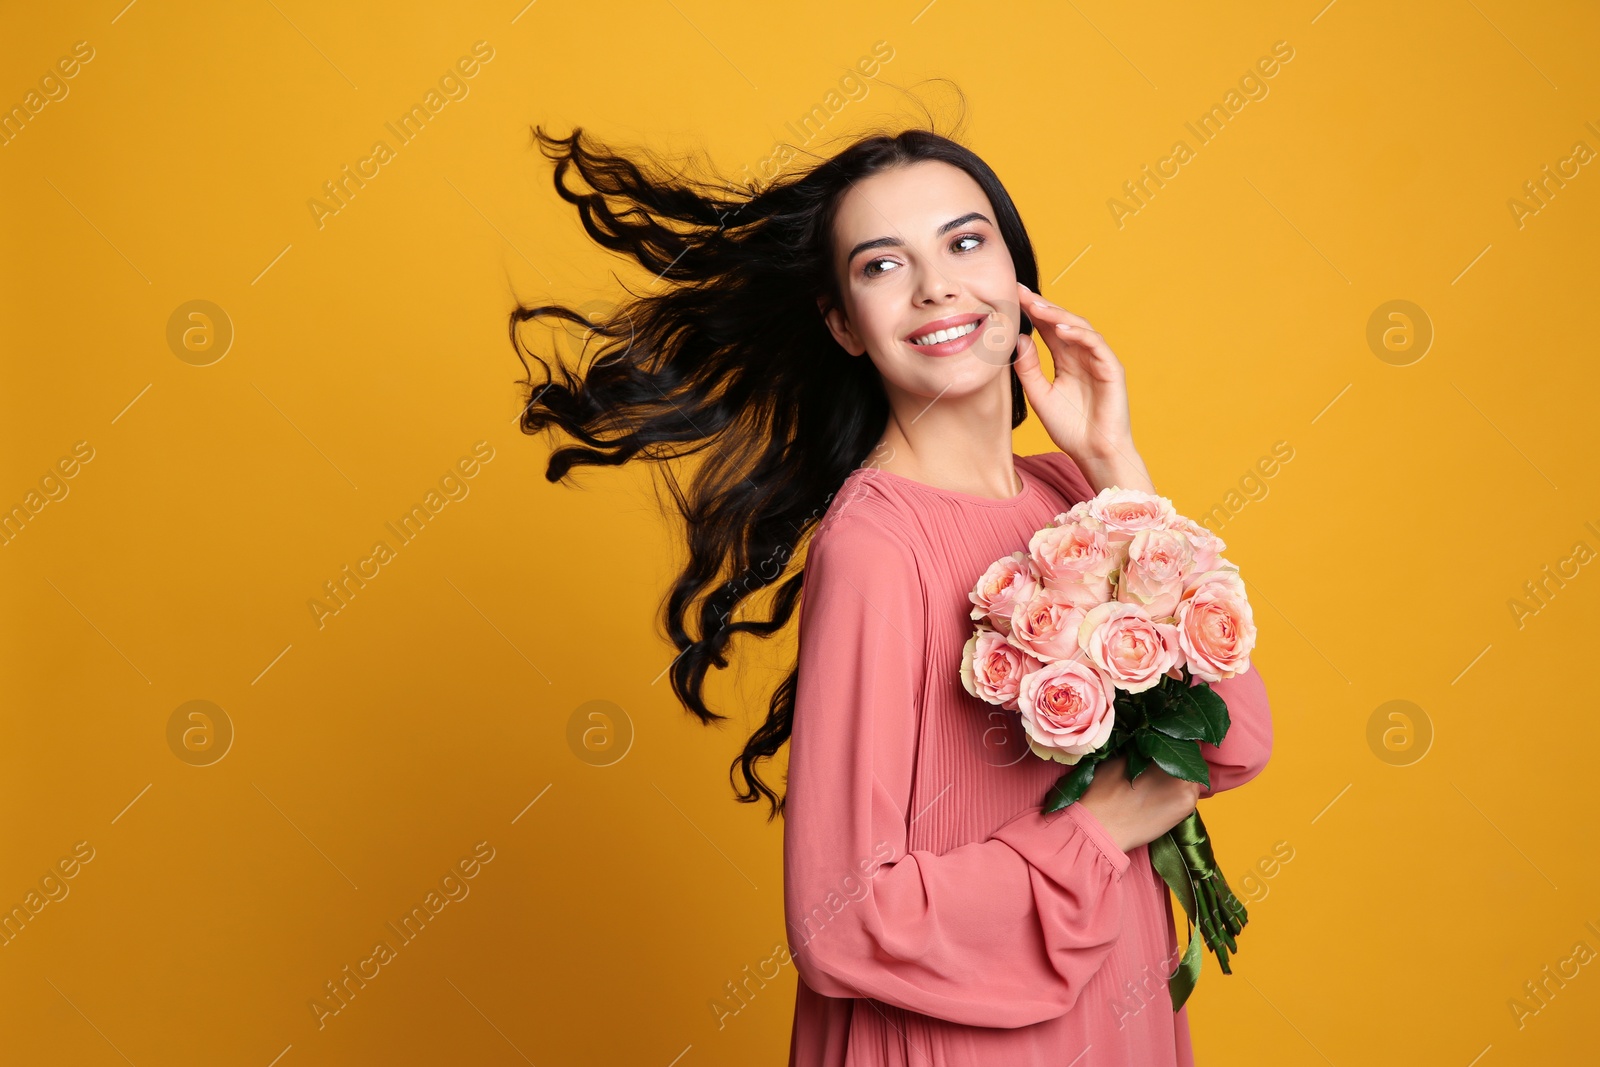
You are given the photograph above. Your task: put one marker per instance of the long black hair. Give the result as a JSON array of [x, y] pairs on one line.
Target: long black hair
[[734, 360]]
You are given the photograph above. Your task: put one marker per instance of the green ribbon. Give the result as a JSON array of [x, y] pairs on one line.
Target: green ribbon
[[1183, 858]]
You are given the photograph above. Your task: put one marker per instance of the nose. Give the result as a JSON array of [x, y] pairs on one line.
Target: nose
[[933, 287]]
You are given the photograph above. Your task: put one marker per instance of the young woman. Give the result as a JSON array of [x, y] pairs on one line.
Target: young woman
[[851, 348]]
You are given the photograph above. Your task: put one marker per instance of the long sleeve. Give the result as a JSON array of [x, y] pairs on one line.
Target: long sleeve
[[1003, 932], [1247, 745]]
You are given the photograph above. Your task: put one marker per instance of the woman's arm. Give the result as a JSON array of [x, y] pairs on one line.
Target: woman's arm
[[1124, 469], [1247, 745], [1003, 932]]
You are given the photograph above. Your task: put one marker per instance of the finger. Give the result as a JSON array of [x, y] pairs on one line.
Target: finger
[[1040, 309], [1027, 362], [1034, 385], [1069, 337], [1060, 347], [1087, 346], [1053, 315]]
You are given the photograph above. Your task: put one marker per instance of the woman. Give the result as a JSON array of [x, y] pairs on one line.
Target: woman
[[852, 349]]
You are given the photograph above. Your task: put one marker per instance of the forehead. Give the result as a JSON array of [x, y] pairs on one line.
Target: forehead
[[909, 201]]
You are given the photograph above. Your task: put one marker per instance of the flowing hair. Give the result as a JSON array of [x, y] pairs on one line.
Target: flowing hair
[[735, 360]]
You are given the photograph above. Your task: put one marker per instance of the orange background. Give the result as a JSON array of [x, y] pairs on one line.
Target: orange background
[[443, 708]]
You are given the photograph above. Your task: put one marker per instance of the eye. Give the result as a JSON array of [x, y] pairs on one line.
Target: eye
[[979, 239], [867, 270]]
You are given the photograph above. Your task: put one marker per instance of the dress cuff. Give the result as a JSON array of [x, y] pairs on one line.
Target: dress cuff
[[1097, 833]]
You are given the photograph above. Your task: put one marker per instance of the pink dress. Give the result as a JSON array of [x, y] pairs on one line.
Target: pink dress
[[936, 916]]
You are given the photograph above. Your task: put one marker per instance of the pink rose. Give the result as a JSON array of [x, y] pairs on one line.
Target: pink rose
[[1068, 709], [992, 667], [1127, 511], [1132, 649], [1208, 547], [1076, 558], [1216, 628], [1007, 582], [1076, 513], [1154, 573], [1046, 626]]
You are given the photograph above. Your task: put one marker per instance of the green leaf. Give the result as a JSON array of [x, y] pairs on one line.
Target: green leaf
[[1185, 720], [1179, 758], [1137, 762], [1201, 705], [1070, 786]]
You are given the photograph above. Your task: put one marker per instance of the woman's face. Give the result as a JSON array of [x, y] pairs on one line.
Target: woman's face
[[916, 248]]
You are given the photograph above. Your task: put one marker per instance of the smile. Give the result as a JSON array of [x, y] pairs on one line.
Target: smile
[[948, 336], [939, 336]]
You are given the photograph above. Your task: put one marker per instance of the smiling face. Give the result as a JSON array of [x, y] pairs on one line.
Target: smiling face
[[927, 283]]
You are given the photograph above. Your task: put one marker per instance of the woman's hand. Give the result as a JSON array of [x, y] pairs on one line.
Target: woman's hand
[[1137, 812], [1085, 409]]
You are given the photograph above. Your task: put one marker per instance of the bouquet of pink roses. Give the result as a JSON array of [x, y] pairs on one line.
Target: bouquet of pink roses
[[1102, 636]]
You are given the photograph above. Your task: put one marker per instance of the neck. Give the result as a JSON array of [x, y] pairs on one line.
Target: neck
[[962, 444]]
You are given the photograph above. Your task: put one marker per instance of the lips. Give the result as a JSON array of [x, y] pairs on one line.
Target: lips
[[944, 324]]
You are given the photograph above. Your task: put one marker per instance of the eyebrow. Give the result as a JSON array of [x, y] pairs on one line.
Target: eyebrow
[[895, 242]]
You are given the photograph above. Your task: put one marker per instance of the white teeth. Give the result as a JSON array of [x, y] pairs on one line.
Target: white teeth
[[940, 336]]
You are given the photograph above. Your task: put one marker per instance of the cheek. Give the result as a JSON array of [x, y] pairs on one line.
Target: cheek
[[880, 327], [867, 308], [999, 338]]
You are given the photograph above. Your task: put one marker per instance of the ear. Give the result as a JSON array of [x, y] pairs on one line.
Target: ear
[[839, 326]]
